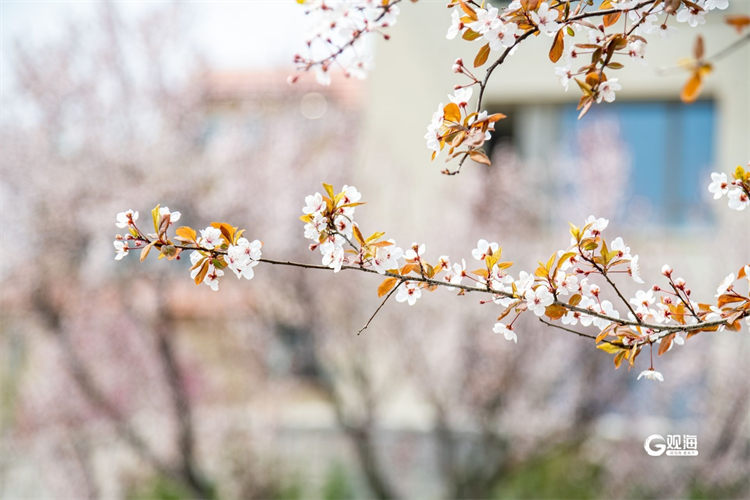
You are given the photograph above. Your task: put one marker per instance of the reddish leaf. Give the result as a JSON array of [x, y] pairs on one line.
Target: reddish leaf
[[665, 343], [556, 51], [482, 55]]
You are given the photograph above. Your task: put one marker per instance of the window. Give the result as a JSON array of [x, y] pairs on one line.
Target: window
[[649, 159], [670, 147]]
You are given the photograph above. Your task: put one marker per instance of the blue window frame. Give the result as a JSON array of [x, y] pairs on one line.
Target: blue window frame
[[671, 147]]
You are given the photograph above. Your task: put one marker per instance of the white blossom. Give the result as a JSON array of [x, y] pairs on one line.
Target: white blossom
[[726, 284], [651, 374], [719, 185], [242, 257], [462, 96], [123, 218], [314, 204], [692, 16], [487, 19], [414, 252], [433, 129], [715, 4], [635, 270], [524, 283], [121, 249], [455, 27], [738, 199], [455, 273], [484, 248], [387, 257], [618, 245], [333, 255], [545, 18], [538, 300], [408, 291], [607, 90], [506, 330], [212, 277], [503, 36], [173, 216], [210, 238]]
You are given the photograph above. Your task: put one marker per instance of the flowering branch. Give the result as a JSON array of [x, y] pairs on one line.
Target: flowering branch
[[503, 31], [559, 289], [340, 30]]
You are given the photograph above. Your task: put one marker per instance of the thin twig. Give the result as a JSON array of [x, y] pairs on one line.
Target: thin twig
[[379, 307], [580, 334]]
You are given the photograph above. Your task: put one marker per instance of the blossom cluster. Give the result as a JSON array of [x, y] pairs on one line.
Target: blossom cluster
[[329, 222], [737, 190], [566, 288], [453, 125], [218, 247], [338, 35], [587, 58]]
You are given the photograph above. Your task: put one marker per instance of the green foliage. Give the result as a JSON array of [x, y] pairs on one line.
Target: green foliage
[[560, 474], [158, 488], [337, 485]]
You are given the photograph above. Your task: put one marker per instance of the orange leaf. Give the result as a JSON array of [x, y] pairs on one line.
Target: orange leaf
[[692, 88], [482, 55], [495, 117], [202, 273], [452, 113], [665, 343], [728, 299], [602, 335], [739, 22], [227, 231], [618, 358], [386, 286], [146, 250], [358, 235], [186, 232], [479, 157], [481, 272], [468, 10], [592, 78], [555, 311], [741, 273], [611, 19], [470, 35], [556, 51]]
